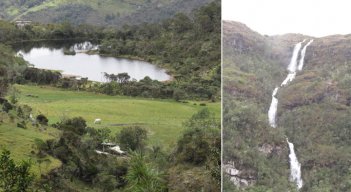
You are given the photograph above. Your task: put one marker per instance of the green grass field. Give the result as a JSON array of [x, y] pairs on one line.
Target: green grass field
[[162, 118], [20, 142]]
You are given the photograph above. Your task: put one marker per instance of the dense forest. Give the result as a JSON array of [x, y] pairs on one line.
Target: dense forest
[[187, 46], [313, 112]]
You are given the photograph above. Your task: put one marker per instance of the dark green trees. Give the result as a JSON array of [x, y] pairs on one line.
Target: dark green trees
[[132, 138], [76, 125], [14, 177], [199, 138]]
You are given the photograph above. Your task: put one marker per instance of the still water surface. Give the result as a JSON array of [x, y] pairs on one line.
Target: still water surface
[[91, 66]]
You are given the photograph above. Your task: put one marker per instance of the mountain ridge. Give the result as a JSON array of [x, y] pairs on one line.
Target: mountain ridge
[[94, 12]]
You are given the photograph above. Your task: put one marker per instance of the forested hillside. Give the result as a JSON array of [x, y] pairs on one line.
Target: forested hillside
[[313, 112], [187, 46], [97, 12], [167, 144]]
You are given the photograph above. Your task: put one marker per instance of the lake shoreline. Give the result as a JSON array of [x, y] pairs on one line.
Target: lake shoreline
[[131, 57], [167, 68], [91, 64]]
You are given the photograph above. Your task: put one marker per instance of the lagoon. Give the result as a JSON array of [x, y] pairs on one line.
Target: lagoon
[[91, 66]]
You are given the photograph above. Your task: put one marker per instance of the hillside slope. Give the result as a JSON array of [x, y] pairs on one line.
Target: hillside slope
[[96, 12], [313, 111]]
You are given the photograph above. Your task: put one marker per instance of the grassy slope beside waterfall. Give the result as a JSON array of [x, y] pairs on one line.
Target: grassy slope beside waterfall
[[312, 110]]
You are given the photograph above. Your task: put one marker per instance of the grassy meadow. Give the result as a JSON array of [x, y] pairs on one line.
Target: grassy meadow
[[162, 118]]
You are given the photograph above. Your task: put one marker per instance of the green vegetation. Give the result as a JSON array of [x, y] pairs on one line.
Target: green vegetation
[[14, 177], [22, 144], [166, 147], [162, 118], [132, 138], [313, 111], [96, 12], [187, 46], [142, 177], [74, 145], [144, 170]]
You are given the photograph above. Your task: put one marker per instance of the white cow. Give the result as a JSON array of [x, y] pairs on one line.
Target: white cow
[[97, 121]]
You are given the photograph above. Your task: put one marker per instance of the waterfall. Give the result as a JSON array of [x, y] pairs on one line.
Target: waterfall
[[293, 64], [292, 74], [295, 166], [273, 109], [303, 52], [290, 77], [293, 61]]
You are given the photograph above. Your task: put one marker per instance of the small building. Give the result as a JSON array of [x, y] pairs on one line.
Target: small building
[[68, 76], [117, 149], [112, 148], [22, 23]]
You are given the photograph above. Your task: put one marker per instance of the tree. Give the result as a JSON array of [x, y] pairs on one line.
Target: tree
[[77, 125], [14, 178], [202, 119], [107, 76], [132, 138], [193, 147], [179, 94], [122, 78], [99, 135], [200, 139], [6, 106], [181, 23]]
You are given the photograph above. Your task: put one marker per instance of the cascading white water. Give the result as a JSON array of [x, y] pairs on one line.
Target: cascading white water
[[303, 52], [292, 73], [290, 77], [293, 61], [295, 166], [273, 109], [293, 64]]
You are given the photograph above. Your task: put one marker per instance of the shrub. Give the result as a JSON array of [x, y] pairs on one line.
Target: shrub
[[22, 124], [132, 138], [6, 106], [14, 177], [41, 119], [76, 125]]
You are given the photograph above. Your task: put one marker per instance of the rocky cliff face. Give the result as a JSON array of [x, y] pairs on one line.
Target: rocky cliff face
[[313, 111]]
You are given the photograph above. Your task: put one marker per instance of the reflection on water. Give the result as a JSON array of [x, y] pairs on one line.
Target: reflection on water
[[91, 66]]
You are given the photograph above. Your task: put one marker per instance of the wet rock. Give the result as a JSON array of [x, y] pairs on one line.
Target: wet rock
[[238, 177]]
